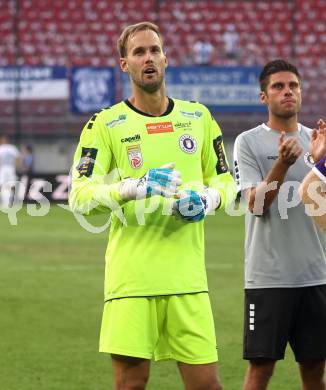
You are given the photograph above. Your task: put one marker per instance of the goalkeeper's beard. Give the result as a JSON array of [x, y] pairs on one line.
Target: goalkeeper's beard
[[151, 86]]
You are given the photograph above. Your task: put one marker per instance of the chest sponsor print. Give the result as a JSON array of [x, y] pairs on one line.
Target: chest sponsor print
[[186, 126], [157, 128], [194, 115], [121, 119], [188, 143], [133, 138], [135, 156]]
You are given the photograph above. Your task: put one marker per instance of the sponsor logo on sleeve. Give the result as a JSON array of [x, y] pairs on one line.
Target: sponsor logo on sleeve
[[87, 161], [134, 138], [121, 119], [188, 143], [221, 165], [135, 156], [162, 127]]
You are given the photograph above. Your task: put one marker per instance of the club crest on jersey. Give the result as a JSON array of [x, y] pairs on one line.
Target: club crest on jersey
[[135, 157], [188, 143], [309, 160]]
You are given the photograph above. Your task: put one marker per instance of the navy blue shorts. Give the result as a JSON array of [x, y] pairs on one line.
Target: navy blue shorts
[[274, 317]]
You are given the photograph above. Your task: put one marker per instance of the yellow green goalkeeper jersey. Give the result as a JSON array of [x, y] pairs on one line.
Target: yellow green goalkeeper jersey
[[150, 252]]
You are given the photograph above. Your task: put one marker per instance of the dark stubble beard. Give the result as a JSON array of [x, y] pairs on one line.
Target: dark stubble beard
[[287, 114]]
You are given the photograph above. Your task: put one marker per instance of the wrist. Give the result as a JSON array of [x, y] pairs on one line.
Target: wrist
[[131, 189], [320, 169], [316, 155], [283, 164], [213, 200]]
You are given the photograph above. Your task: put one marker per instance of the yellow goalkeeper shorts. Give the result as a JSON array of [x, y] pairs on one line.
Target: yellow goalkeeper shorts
[[179, 327]]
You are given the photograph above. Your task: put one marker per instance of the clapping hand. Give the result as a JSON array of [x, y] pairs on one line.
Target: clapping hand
[[317, 147], [289, 149]]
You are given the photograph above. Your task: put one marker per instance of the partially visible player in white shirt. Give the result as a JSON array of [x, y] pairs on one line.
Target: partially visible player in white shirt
[[9, 160], [313, 187]]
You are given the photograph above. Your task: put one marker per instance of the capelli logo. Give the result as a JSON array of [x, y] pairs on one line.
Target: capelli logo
[[133, 138]]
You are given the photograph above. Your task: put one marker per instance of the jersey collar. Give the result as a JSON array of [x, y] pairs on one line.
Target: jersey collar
[[269, 129], [168, 109]]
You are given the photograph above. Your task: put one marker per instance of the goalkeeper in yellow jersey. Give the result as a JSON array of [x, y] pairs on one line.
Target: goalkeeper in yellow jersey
[[158, 165]]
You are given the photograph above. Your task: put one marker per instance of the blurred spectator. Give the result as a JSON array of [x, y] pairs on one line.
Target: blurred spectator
[[203, 52], [231, 38], [27, 160], [9, 160]]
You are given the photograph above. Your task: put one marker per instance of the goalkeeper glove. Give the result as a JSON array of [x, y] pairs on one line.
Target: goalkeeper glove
[[194, 206], [162, 181]]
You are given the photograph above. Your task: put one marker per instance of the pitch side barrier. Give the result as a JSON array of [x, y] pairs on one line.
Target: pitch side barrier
[[38, 191], [38, 188]]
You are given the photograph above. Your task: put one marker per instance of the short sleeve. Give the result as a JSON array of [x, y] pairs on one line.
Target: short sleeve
[[246, 170]]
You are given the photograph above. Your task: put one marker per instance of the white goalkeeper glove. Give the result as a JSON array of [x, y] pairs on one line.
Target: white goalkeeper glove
[[162, 181], [194, 206]]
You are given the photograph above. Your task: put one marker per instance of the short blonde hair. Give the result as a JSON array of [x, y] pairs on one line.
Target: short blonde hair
[[131, 30]]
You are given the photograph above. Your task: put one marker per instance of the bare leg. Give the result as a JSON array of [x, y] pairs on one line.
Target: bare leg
[[258, 374], [130, 373], [200, 376], [313, 375]]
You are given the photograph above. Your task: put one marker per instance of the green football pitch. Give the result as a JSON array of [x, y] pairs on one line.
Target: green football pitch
[[51, 297]]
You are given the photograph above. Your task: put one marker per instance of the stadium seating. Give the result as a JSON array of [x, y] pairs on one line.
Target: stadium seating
[[191, 19], [75, 32], [84, 32]]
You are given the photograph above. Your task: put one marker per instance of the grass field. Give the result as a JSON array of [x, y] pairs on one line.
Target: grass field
[[51, 293]]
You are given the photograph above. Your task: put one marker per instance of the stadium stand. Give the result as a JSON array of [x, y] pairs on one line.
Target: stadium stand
[[188, 20], [84, 32]]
